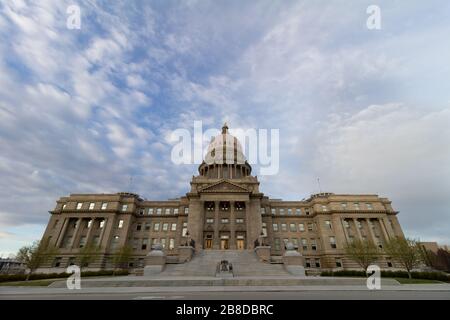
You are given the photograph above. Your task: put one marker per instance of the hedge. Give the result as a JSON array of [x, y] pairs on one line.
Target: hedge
[[41, 276], [390, 274]]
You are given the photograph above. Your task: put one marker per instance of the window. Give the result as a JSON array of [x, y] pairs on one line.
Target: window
[[263, 210], [264, 229], [344, 206], [346, 224], [158, 211], [389, 264], [124, 207], [186, 210], [163, 243], [356, 206], [283, 227], [165, 227], [174, 227], [295, 242], [239, 220], [138, 227], [298, 211], [358, 223], [71, 261], [338, 263], [57, 262], [102, 224], [75, 224], [305, 244], [64, 206], [89, 223], [301, 227], [324, 208], [328, 224], [171, 244], [224, 220], [91, 206], [79, 205], [281, 212], [184, 231], [120, 224], [115, 242], [104, 205], [292, 227], [317, 263], [155, 240], [156, 226], [333, 242], [210, 221], [273, 211], [175, 211], [277, 243], [307, 212], [135, 243], [141, 211], [289, 212], [150, 211], [147, 226], [96, 240], [67, 242], [144, 244], [313, 244], [82, 241], [369, 206], [167, 211], [285, 241], [310, 227], [275, 227], [308, 263]]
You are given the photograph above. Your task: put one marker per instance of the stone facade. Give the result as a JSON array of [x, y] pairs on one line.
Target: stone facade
[[224, 210]]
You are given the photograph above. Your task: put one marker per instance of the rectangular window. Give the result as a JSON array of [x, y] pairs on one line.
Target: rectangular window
[[317, 263], [174, 227], [141, 211], [138, 227], [115, 242], [338, 263], [124, 207], [307, 212], [313, 244], [369, 206], [150, 211], [310, 227], [344, 205], [167, 211], [79, 205], [277, 244], [186, 210], [356, 206], [328, 224], [144, 244], [165, 227], [301, 227], [82, 241], [275, 227], [163, 243], [210, 221], [239, 220], [281, 212], [283, 227], [147, 226], [102, 224], [156, 226], [104, 205], [89, 223], [292, 227], [57, 262], [120, 224], [263, 210], [184, 230], [308, 263], [298, 212], [324, 208], [273, 211], [171, 244], [158, 211], [264, 229], [295, 242], [289, 212], [175, 211], [224, 220], [346, 224], [91, 206], [333, 242], [305, 244]]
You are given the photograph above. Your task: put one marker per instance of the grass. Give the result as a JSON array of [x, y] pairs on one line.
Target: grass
[[29, 283], [416, 281]]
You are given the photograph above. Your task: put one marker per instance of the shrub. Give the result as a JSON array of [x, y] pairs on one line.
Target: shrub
[[41, 276], [439, 276]]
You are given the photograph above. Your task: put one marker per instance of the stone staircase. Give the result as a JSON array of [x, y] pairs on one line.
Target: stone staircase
[[204, 263]]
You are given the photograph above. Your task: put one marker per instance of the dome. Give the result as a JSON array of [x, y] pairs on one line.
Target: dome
[[225, 158]]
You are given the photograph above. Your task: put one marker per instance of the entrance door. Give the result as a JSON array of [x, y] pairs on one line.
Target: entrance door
[[240, 244], [224, 244], [208, 243]]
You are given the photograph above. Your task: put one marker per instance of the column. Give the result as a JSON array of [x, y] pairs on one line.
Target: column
[[345, 230], [62, 233], [89, 233], [232, 227], [76, 234], [216, 242], [358, 232], [102, 233], [383, 229], [371, 231]]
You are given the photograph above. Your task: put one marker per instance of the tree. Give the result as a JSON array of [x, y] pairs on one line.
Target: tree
[[406, 252], [362, 252], [35, 255], [121, 257], [87, 254]]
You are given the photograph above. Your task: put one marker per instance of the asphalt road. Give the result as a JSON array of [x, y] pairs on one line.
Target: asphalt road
[[291, 295]]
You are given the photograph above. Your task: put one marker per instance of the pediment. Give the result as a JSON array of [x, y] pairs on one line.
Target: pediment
[[224, 186]]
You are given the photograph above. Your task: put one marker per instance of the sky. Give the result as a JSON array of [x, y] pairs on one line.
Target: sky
[[91, 110]]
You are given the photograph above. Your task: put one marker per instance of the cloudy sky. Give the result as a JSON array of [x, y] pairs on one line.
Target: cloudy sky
[[81, 111]]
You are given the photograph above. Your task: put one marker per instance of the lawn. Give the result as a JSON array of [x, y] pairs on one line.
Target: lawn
[[416, 281], [29, 283]]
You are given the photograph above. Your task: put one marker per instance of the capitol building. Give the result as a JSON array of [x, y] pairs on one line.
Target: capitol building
[[224, 211]]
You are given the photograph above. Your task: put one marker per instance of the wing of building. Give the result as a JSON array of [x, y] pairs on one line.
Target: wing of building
[[224, 210]]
